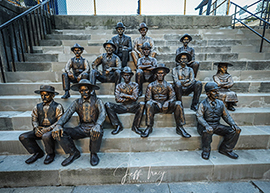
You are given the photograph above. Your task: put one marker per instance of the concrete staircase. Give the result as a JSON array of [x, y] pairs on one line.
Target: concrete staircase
[[127, 158]]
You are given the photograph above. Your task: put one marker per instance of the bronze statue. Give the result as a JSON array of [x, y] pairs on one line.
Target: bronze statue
[[44, 118], [225, 82], [208, 115], [193, 64], [126, 93], [123, 44], [91, 113], [77, 68], [138, 42], [160, 98], [184, 81], [111, 66], [145, 66]]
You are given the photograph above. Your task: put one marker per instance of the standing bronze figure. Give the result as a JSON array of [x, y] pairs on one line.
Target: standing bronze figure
[[185, 39], [91, 113], [111, 66], [44, 118], [208, 115], [225, 82], [123, 44], [145, 66], [77, 68], [184, 81], [138, 42], [126, 93], [160, 98]]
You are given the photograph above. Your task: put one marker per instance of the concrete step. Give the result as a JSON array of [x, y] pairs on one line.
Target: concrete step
[[21, 120], [162, 139], [141, 167], [68, 37], [27, 102], [20, 88]]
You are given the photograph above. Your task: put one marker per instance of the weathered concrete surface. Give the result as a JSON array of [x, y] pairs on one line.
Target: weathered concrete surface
[[173, 21]]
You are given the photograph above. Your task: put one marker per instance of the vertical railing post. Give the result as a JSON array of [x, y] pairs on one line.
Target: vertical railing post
[[264, 26], [2, 71], [209, 7], [185, 6], [228, 7], [234, 17], [5, 49], [95, 8]]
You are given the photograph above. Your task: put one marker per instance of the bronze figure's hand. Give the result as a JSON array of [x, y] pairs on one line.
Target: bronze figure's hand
[[165, 106], [209, 129], [95, 132], [39, 132], [70, 75], [236, 128], [159, 105], [57, 132]]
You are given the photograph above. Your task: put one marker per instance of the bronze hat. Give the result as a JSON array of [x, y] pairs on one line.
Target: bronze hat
[[119, 24], [77, 46], [142, 25], [178, 57], [211, 86], [223, 63], [84, 82], [109, 42], [146, 45], [127, 70], [161, 67], [186, 35], [46, 88]]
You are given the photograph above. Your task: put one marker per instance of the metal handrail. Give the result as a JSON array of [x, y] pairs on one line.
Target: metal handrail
[[261, 20], [21, 33]]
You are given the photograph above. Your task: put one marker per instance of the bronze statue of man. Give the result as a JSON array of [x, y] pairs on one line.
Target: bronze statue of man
[[77, 68], [208, 116], [138, 42], [160, 98], [184, 81], [92, 113], [123, 44], [44, 118], [145, 66], [185, 39], [111, 66], [126, 94]]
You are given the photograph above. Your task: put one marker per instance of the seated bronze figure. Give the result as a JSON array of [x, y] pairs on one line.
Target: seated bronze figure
[[123, 44], [145, 66], [126, 95], [91, 113], [184, 81], [77, 68], [185, 39], [208, 116], [44, 118], [225, 82], [138, 42], [111, 66], [160, 98]]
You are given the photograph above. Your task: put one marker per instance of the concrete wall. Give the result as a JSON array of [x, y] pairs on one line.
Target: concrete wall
[[160, 22]]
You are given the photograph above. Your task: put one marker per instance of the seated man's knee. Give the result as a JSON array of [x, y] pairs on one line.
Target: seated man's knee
[[149, 104], [118, 72], [46, 135], [139, 72], [85, 75], [198, 83], [178, 103], [22, 137], [107, 105]]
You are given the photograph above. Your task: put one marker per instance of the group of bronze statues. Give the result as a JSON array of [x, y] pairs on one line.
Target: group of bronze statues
[[49, 118]]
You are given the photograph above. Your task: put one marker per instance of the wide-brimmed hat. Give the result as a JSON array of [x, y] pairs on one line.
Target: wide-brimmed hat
[[109, 42], [119, 24], [186, 35], [146, 45], [211, 86], [46, 88], [178, 57], [84, 82], [223, 63], [77, 46], [142, 25], [127, 70], [161, 67]]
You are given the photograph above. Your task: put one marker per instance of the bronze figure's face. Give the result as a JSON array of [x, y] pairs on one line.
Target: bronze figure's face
[[109, 49], [146, 51], [223, 68], [143, 31], [126, 77], [183, 60], [85, 92], [212, 94], [160, 75], [185, 41], [77, 52], [120, 30], [46, 97]]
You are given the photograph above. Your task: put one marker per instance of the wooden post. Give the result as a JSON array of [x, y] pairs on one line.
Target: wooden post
[[95, 10], [185, 6], [228, 7]]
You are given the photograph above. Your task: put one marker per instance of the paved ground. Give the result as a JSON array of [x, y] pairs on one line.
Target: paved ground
[[252, 186]]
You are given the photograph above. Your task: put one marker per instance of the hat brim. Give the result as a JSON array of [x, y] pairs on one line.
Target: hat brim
[[223, 63], [81, 48], [178, 57], [142, 27], [189, 37], [77, 86], [167, 70], [44, 90], [131, 73], [105, 44]]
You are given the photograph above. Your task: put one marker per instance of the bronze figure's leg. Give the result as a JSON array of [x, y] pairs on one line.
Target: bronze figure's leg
[[195, 66], [139, 78], [124, 58], [197, 88], [112, 110], [49, 144], [150, 110], [94, 148], [138, 118], [28, 139], [178, 91], [135, 57], [117, 77], [66, 85], [206, 141]]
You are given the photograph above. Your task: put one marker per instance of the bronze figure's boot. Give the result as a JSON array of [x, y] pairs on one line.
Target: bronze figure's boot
[[66, 95], [117, 129], [34, 157], [147, 132], [94, 160], [181, 131], [71, 158], [49, 158]]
